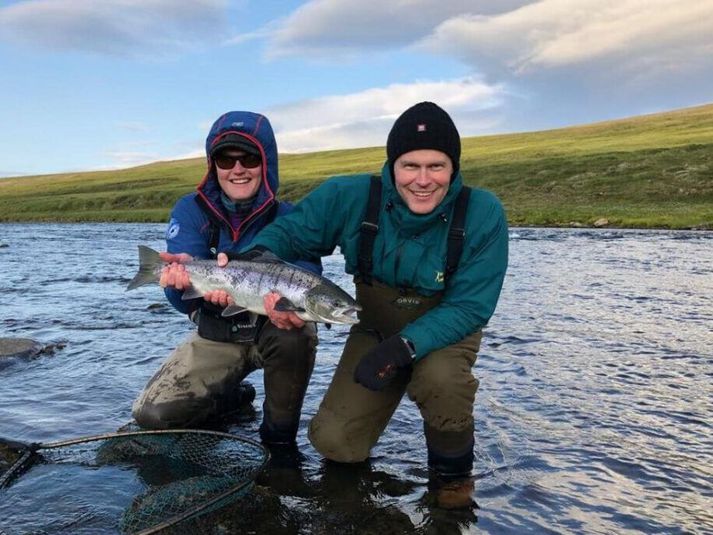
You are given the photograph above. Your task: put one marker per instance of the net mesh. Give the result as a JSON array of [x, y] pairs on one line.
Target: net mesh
[[166, 477]]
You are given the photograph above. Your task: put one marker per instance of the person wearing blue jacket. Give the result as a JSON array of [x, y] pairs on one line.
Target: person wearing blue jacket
[[200, 382], [429, 258]]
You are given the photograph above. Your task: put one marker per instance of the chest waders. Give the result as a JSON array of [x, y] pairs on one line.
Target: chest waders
[[351, 418]]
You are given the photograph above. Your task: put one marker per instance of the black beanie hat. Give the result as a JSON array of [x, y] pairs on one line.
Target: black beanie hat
[[424, 126], [235, 141]]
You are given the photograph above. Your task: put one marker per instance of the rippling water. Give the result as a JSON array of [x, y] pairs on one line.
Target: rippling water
[[593, 416]]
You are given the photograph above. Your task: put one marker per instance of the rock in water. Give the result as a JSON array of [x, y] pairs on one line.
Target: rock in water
[[19, 347]]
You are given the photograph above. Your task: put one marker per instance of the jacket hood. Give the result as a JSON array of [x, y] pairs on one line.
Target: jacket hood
[[404, 219], [257, 129]]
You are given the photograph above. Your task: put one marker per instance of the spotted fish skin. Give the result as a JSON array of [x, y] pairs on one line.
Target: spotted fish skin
[[310, 296]]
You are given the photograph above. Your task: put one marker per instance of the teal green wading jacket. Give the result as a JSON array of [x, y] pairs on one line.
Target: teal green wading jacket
[[409, 251]]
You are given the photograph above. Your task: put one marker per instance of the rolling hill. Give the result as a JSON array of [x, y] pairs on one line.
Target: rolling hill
[[652, 171]]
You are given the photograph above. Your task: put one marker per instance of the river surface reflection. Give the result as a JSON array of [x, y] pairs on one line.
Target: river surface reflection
[[594, 413]]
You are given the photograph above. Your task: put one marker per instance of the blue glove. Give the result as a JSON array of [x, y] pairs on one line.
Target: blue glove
[[379, 366]]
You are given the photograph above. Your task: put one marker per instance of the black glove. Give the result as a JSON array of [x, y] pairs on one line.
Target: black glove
[[379, 366], [256, 254]]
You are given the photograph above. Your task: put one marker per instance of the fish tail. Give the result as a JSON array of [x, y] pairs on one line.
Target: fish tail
[[148, 273]]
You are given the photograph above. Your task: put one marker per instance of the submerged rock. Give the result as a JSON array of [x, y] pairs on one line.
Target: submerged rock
[[50, 349], [19, 348], [11, 348]]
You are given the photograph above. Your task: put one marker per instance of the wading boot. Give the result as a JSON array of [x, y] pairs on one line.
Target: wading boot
[[450, 479], [455, 494], [236, 403]]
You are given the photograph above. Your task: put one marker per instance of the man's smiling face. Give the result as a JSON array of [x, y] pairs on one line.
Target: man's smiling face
[[422, 178]]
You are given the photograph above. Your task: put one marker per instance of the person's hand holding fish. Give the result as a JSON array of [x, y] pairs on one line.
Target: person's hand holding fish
[[174, 274], [281, 320]]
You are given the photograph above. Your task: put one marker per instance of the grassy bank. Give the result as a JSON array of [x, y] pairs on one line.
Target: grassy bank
[[652, 171]]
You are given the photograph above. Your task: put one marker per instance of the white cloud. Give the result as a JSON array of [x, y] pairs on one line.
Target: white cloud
[[354, 120], [196, 153], [326, 27], [600, 38], [610, 34], [140, 152], [131, 158], [114, 27], [244, 37], [364, 119]]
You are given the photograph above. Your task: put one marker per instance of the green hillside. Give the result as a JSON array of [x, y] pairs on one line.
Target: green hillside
[[648, 171]]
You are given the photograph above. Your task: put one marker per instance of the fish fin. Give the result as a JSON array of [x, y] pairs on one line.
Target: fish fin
[[191, 293], [232, 310], [285, 305], [149, 260]]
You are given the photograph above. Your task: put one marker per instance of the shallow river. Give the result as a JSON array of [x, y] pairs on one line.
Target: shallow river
[[594, 415]]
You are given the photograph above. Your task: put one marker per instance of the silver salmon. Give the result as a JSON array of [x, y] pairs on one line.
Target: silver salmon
[[311, 297]]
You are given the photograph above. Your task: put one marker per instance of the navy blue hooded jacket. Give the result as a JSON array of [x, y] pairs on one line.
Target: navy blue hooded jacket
[[195, 214]]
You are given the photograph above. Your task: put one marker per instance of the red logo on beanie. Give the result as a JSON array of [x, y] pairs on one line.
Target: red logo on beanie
[[421, 128]]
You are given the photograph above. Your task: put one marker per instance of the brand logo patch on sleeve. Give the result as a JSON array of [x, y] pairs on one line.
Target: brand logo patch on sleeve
[[172, 230]]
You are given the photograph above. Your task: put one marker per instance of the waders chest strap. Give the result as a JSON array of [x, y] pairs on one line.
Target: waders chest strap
[[368, 230], [456, 234], [213, 238]]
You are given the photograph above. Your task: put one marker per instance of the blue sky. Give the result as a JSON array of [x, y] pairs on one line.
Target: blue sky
[[104, 84]]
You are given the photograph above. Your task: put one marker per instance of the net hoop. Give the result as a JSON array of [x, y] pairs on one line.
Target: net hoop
[[31, 451]]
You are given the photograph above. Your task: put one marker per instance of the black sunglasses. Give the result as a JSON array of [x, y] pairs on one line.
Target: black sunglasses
[[247, 160]]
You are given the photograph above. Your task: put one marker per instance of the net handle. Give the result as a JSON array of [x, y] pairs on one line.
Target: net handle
[[119, 434], [34, 446]]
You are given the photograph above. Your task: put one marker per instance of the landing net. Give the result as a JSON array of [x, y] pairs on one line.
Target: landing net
[[137, 482]]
